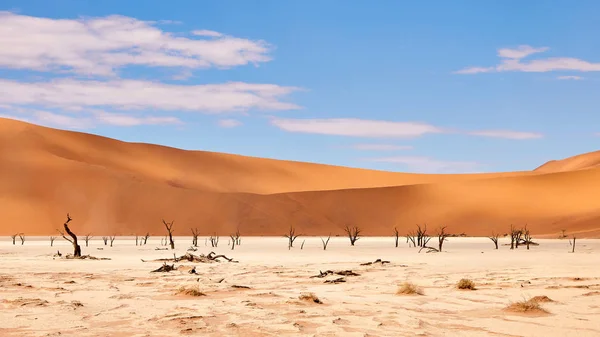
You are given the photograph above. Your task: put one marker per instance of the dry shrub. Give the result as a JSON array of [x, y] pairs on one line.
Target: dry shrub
[[191, 291], [465, 284], [527, 306], [310, 297], [408, 288]]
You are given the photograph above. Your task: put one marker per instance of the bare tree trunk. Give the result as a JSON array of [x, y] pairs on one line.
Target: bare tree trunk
[[76, 247], [397, 235], [169, 227], [326, 242]]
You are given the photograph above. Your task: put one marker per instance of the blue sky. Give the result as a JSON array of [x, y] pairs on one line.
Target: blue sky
[[428, 86]]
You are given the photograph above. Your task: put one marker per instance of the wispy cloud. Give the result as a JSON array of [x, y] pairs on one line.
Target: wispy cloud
[[384, 129], [574, 78], [381, 147], [138, 95], [86, 119], [512, 60], [356, 127], [507, 134], [431, 165], [229, 123], [101, 45]]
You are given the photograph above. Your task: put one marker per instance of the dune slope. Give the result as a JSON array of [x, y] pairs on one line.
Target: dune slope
[[112, 187], [579, 162]]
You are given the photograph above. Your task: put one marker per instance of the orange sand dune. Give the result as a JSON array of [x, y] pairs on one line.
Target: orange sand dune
[[580, 162], [113, 187]]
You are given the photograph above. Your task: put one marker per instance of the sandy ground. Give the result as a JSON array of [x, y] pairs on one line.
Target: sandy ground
[[45, 296]]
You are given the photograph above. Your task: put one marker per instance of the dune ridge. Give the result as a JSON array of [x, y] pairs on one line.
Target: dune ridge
[[114, 187]]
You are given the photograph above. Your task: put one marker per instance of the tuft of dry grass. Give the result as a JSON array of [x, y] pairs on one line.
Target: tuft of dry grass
[[191, 291], [408, 288], [466, 284], [310, 297], [527, 306]]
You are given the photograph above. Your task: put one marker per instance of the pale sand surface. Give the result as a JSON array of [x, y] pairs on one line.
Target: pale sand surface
[[39, 295]]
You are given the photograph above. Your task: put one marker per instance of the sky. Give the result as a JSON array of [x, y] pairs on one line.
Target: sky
[[420, 86]]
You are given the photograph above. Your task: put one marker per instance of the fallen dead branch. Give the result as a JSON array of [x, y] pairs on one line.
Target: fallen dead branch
[[374, 262], [165, 268], [210, 257], [337, 280], [331, 272]]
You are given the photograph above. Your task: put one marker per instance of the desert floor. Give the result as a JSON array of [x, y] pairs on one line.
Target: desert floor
[[45, 296]]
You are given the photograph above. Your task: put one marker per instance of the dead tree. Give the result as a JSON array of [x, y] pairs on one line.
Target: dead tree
[[136, 239], [73, 239], [421, 233], [397, 235], [302, 245], [233, 241], [22, 237], [112, 239], [442, 236], [494, 239], [326, 242], [527, 237], [214, 240], [14, 238], [194, 236], [411, 238], [238, 237], [169, 227], [515, 237], [573, 244], [52, 238], [353, 234], [146, 238], [562, 235], [87, 239], [105, 239], [291, 236]]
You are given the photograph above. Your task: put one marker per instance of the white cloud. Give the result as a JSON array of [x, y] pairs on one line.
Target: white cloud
[[101, 45], [511, 60], [431, 165], [520, 52], [356, 127], [381, 147], [86, 119], [204, 32], [229, 123], [507, 134], [574, 78], [134, 94]]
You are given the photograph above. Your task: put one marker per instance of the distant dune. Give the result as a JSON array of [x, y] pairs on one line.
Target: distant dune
[[114, 187], [580, 162]]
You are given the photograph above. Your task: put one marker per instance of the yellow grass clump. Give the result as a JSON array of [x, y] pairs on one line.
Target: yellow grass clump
[[190, 291], [408, 288], [310, 297], [531, 305], [466, 284]]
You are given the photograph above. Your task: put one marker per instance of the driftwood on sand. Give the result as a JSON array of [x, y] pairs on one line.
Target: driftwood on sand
[[209, 258]]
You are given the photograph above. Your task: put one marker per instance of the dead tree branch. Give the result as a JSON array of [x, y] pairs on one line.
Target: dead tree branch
[[194, 236], [291, 236], [87, 239], [52, 238], [112, 239], [494, 239], [397, 236], [573, 244], [326, 242], [169, 227], [353, 234], [146, 238], [73, 240], [14, 238], [214, 240], [22, 237], [442, 237]]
